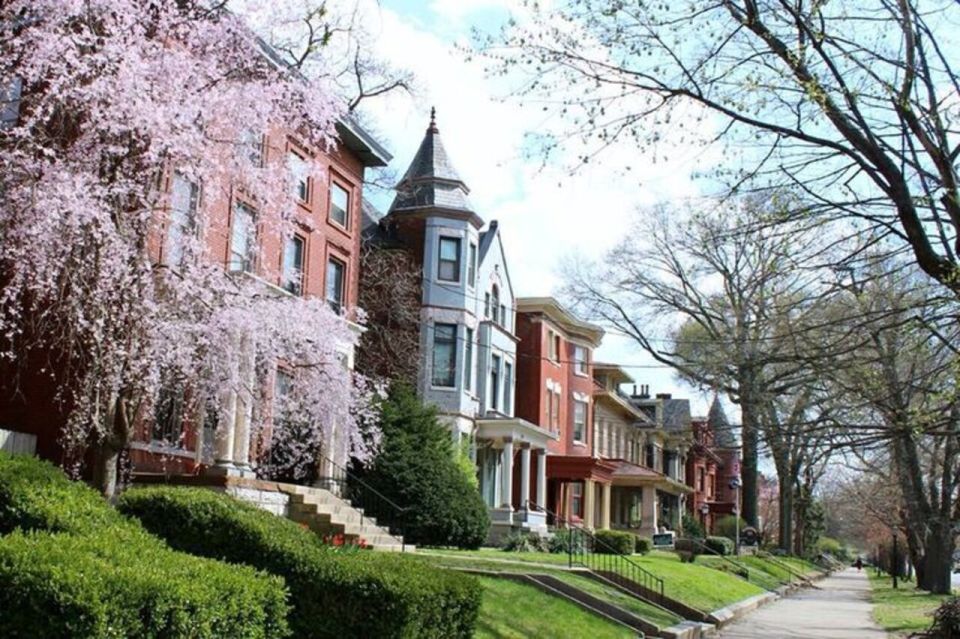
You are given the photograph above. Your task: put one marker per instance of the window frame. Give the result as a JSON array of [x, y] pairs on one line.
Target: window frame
[[253, 144], [301, 279], [249, 260], [187, 229], [468, 359], [472, 264], [580, 360], [583, 426], [339, 305], [299, 179], [507, 386], [450, 342], [457, 262], [334, 184], [576, 498], [496, 381]]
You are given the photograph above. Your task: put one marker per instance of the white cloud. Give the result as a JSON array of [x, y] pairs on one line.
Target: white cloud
[[545, 214]]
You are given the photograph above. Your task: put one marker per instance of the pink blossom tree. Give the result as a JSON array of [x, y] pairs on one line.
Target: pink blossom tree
[[109, 96]]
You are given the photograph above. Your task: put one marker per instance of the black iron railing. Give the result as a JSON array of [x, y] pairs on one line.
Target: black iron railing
[[371, 503], [586, 550], [704, 547]]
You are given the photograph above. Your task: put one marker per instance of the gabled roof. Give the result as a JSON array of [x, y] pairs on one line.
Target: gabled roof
[[431, 182]]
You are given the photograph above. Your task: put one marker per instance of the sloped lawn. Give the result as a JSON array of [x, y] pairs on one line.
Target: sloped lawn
[[696, 585], [512, 610], [904, 610]]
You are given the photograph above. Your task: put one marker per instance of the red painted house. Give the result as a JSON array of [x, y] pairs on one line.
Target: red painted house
[[555, 391], [712, 464]]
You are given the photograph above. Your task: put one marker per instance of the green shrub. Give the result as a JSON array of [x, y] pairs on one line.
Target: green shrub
[[36, 495], [643, 545], [726, 526], [333, 595], [720, 545], [687, 549], [833, 547], [524, 542], [566, 541], [692, 527], [123, 583], [418, 469], [614, 542]]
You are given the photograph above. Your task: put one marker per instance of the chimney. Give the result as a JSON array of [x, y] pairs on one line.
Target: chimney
[[644, 392], [664, 395], [634, 390]]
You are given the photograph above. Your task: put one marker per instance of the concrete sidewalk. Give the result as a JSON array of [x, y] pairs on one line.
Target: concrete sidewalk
[[839, 608]]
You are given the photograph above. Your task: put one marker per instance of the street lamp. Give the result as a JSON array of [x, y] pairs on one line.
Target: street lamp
[[705, 510], [735, 485]]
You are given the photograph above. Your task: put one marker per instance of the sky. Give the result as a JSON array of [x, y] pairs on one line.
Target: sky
[[546, 215]]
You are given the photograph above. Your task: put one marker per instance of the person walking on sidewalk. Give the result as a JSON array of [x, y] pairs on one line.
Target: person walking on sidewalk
[[859, 564]]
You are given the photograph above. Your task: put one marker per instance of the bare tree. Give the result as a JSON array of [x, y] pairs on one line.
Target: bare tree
[[716, 304], [853, 103]]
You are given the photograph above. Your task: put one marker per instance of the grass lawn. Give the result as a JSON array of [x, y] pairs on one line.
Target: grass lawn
[[657, 616], [903, 610], [801, 566], [696, 585], [760, 573], [514, 610]]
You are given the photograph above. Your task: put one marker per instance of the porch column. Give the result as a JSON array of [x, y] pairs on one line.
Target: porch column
[[226, 426], [605, 506], [524, 476], [589, 493], [244, 403], [506, 479], [648, 514], [542, 478]]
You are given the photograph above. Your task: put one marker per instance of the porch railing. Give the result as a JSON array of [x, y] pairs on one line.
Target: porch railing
[[586, 550], [373, 505]]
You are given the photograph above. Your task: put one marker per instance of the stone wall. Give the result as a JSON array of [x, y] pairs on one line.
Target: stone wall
[[275, 502]]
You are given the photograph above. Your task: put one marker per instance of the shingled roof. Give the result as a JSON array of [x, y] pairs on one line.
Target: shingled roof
[[723, 435], [431, 181]]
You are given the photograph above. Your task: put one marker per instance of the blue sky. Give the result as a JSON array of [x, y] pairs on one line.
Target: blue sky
[[545, 214]]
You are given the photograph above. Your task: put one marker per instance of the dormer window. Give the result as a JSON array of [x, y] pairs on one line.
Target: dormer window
[[448, 267]]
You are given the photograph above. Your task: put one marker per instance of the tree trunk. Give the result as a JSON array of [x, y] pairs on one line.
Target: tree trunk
[[748, 466], [937, 560], [107, 457], [785, 538]]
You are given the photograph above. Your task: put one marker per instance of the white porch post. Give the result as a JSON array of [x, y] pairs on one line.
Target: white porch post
[[524, 476], [244, 403], [227, 424], [589, 503], [506, 479], [542, 478], [605, 506]]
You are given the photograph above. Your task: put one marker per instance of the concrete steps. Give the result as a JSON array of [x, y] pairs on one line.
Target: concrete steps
[[326, 514]]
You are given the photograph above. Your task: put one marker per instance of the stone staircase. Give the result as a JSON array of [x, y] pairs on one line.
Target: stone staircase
[[326, 514]]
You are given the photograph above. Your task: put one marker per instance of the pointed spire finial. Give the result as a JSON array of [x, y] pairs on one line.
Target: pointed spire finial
[[433, 121]]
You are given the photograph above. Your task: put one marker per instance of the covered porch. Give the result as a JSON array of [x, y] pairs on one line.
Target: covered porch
[[579, 490], [512, 469], [644, 501]]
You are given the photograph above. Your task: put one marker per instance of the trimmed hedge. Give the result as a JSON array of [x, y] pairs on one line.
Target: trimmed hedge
[[124, 583], [333, 595], [643, 545], [72, 566], [720, 545], [614, 542], [36, 495]]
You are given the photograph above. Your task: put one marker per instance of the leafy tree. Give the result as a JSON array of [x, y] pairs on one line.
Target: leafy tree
[[418, 470], [851, 102]]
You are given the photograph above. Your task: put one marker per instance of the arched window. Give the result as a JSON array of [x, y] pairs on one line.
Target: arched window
[[495, 303]]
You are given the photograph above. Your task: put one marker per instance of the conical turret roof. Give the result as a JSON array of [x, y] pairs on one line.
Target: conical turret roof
[[723, 436], [431, 182]]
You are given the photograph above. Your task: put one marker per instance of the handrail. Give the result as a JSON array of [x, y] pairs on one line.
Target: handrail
[[788, 568], [610, 562], [722, 556], [370, 502]]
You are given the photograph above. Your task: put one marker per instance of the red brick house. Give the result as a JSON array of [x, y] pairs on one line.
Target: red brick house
[[320, 260], [555, 391], [712, 464]]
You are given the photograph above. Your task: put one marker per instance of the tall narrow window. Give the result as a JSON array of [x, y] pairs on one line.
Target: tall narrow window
[[556, 347], [552, 346], [468, 361], [293, 252], [243, 239], [472, 265], [299, 177], [495, 382], [495, 303], [504, 322], [444, 355], [336, 270], [555, 418], [339, 205], [486, 305], [549, 408], [507, 386], [580, 360], [448, 268], [579, 420], [168, 413], [576, 499], [251, 144], [184, 199], [10, 103]]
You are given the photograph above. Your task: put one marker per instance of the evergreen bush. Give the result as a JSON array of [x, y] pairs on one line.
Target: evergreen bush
[[334, 595], [566, 541], [614, 542], [726, 526], [417, 468], [643, 545], [692, 527], [720, 545], [524, 542]]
